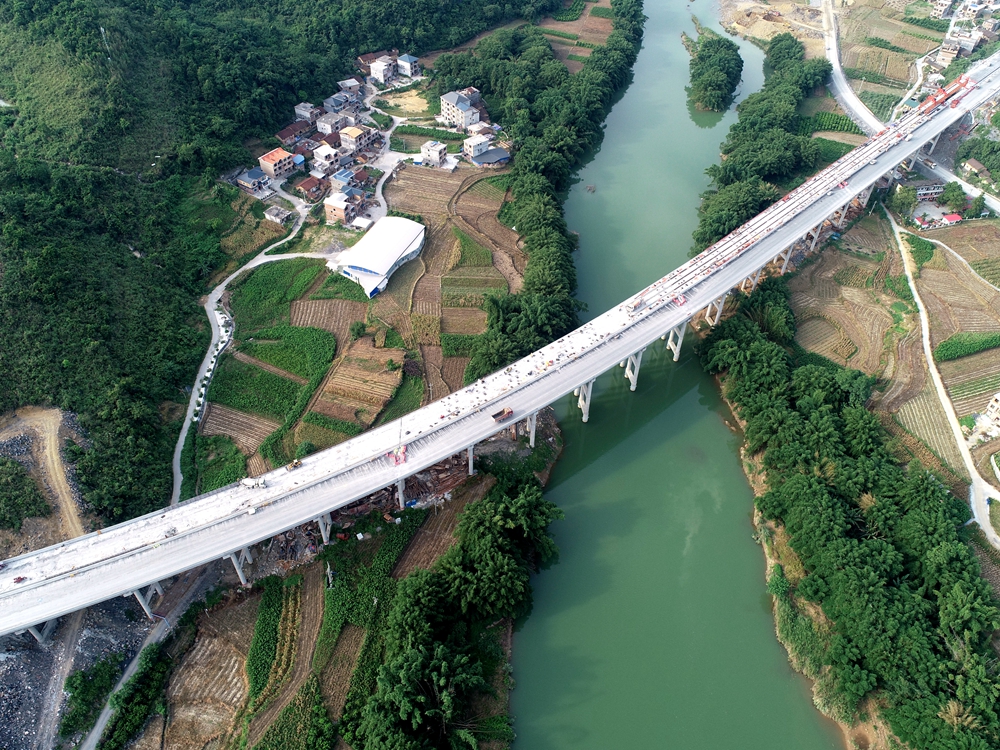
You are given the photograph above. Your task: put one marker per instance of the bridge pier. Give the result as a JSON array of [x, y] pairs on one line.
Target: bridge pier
[[718, 305], [530, 423], [41, 631], [583, 394], [324, 522], [632, 367], [471, 468], [674, 338], [815, 236], [245, 557], [933, 143], [401, 492], [753, 279], [145, 599]]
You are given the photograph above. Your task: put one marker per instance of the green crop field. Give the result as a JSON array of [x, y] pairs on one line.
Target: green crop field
[[263, 297], [473, 254], [251, 389], [964, 344], [300, 351]]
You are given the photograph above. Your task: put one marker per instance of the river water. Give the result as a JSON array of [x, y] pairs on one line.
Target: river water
[[654, 628]]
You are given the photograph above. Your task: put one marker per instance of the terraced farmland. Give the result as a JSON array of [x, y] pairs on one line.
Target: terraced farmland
[[246, 430], [924, 417]]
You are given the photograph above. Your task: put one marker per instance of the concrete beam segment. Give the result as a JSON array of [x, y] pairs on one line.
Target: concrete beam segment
[[154, 586], [35, 632], [532, 421], [401, 491], [632, 368], [583, 394], [784, 264], [815, 237], [239, 568]]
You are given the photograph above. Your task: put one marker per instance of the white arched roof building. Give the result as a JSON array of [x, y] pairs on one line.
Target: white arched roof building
[[391, 242]]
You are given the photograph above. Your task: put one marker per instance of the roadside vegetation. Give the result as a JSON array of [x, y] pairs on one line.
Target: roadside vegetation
[[88, 689], [19, 496], [910, 617], [763, 145]]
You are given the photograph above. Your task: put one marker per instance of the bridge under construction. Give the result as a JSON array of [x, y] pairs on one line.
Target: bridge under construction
[[132, 558]]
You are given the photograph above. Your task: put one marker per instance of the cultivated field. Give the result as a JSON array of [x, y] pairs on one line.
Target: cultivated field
[[956, 299], [462, 320], [437, 387], [587, 28], [333, 315], [453, 371], [248, 431], [475, 212], [210, 686], [318, 436], [972, 380], [924, 417], [978, 242], [336, 677], [425, 190], [270, 368], [360, 385]]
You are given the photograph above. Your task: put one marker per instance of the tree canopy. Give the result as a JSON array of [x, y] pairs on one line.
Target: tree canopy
[[716, 69]]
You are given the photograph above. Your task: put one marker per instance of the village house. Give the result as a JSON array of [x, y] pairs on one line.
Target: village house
[[277, 214], [457, 110], [308, 112], [312, 189], [475, 146], [926, 189], [364, 62], [351, 85], [481, 128], [331, 139], [976, 167], [940, 7], [357, 138], [949, 51], [384, 69], [992, 412], [433, 152], [289, 135], [330, 123], [277, 164], [949, 219], [408, 66], [253, 180], [326, 159], [340, 208], [340, 101]]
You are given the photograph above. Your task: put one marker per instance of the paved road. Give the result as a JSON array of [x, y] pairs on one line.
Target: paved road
[[841, 89], [99, 566], [980, 489]]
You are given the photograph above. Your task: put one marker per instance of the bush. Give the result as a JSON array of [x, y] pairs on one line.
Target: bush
[[358, 329], [88, 689], [922, 250], [573, 12], [384, 122], [877, 41], [935, 24], [964, 344], [137, 699], [336, 425], [19, 496], [264, 645]]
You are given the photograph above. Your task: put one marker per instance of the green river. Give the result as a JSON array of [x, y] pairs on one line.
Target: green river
[[654, 628]]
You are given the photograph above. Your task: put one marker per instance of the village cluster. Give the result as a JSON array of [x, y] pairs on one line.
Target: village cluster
[[326, 152]]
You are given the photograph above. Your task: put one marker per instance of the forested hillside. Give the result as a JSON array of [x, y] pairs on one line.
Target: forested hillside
[[101, 267]]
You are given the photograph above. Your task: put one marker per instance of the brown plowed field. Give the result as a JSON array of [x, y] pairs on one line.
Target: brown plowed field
[[972, 380], [269, 367], [924, 416], [360, 382], [336, 678], [462, 320], [435, 382], [981, 456], [257, 465], [975, 241], [842, 322], [957, 299], [474, 211], [248, 431], [906, 373], [437, 533], [417, 190], [210, 685], [453, 372], [333, 315], [309, 623]]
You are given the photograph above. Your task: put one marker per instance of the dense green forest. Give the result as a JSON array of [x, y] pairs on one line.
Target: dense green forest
[[910, 615], [556, 119], [716, 68], [764, 144], [102, 256], [19, 497]]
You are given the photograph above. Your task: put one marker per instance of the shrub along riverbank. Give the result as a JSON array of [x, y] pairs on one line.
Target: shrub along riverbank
[[555, 118], [908, 616]]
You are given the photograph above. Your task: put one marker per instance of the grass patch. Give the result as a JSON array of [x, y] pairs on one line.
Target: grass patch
[[264, 645], [219, 462], [828, 121], [881, 105], [406, 399], [577, 58], [252, 389], [560, 34], [458, 344], [263, 297], [600, 11], [340, 287], [393, 340], [329, 423], [963, 344], [472, 253], [300, 351], [830, 151], [384, 122], [872, 77]]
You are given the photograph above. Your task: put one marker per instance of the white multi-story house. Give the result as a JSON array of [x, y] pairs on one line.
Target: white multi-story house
[[408, 65], [357, 137], [307, 111], [457, 110], [433, 152], [384, 69], [331, 123], [475, 146]]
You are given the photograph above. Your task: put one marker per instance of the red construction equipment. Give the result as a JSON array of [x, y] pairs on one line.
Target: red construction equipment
[[942, 95]]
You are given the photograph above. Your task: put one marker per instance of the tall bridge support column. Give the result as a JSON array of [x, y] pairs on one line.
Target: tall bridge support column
[[145, 599], [674, 338], [244, 557], [530, 423], [401, 492], [718, 305], [42, 630], [583, 394], [324, 522], [933, 143], [843, 214], [753, 279], [632, 367], [472, 470], [815, 236]]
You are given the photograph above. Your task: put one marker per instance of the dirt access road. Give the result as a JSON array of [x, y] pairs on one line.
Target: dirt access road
[[45, 423]]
